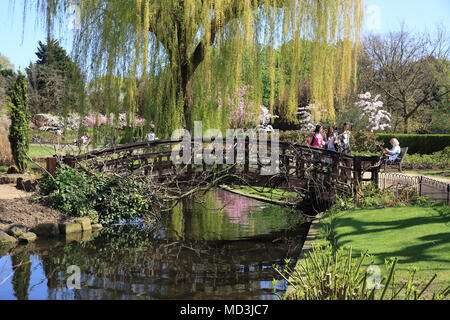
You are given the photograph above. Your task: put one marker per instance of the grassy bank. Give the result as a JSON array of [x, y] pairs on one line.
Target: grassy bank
[[275, 196], [418, 236]]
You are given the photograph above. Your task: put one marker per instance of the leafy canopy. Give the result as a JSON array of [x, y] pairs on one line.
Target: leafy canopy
[[191, 53]]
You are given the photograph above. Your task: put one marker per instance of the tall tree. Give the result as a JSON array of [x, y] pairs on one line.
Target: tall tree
[[54, 80], [409, 70], [176, 45], [19, 131]]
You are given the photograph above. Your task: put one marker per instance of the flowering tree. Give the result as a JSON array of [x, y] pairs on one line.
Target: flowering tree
[[377, 117], [241, 115], [304, 118], [264, 119], [46, 122]]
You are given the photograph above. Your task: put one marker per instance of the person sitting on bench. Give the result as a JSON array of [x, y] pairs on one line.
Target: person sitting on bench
[[392, 154]]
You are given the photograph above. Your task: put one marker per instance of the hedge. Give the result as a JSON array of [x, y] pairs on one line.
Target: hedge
[[417, 143]]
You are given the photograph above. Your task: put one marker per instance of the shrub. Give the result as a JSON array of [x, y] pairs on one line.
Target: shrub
[[132, 135], [293, 136], [364, 141], [439, 158], [19, 131], [417, 143], [70, 191], [108, 198]]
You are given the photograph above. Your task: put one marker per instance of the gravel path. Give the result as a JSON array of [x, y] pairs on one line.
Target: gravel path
[[9, 192]]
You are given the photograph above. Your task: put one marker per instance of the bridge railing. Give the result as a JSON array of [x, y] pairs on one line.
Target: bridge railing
[[294, 159]]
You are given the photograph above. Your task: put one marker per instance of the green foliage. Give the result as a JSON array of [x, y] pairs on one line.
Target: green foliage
[[369, 196], [131, 135], [106, 198], [184, 71], [417, 143], [19, 131], [292, 136], [364, 141], [70, 191], [7, 79], [439, 158], [329, 274]]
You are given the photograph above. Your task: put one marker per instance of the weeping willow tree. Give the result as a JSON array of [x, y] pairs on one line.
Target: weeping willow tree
[[193, 56]]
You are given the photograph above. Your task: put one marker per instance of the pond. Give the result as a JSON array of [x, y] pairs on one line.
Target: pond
[[221, 247]]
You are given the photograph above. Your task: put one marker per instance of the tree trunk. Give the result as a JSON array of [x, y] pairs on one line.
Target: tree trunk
[[405, 123], [405, 117], [185, 91]]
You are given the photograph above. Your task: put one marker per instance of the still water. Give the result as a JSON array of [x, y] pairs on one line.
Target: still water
[[222, 247]]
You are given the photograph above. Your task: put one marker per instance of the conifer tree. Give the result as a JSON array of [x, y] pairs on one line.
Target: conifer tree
[[19, 131]]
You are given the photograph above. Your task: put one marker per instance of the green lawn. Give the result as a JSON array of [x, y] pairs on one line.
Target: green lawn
[[36, 152], [418, 236], [276, 194]]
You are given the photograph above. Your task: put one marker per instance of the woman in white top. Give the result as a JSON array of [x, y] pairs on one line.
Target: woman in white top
[[331, 137], [393, 153]]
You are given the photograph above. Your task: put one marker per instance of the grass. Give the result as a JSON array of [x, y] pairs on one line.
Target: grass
[[37, 152], [275, 194], [418, 236]]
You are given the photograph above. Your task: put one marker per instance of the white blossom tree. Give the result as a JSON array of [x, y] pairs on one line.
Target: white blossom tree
[[305, 118], [264, 118], [373, 112]]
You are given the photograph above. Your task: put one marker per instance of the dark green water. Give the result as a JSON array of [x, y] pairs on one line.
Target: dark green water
[[220, 248]]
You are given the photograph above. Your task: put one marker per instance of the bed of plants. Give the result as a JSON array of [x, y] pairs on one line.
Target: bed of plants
[[103, 198]]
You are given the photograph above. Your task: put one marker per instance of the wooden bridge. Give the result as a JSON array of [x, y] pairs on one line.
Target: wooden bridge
[[300, 166]]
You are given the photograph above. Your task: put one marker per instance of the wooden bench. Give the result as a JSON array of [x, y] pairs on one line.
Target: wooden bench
[[397, 162]]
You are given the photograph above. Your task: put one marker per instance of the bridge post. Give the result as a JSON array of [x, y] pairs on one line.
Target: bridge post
[[301, 165], [189, 166], [51, 165], [247, 155], [160, 166], [285, 158], [375, 170], [69, 160], [356, 171]]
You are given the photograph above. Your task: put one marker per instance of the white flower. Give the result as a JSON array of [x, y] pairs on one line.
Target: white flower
[[372, 109]]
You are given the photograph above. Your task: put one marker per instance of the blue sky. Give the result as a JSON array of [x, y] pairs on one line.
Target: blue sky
[[19, 44]]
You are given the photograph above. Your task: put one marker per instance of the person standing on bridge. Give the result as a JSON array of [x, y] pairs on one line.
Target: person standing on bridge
[[331, 137], [343, 140], [343, 145], [316, 138]]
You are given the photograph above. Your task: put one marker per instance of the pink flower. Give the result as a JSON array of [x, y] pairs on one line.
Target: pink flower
[[140, 122], [89, 122]]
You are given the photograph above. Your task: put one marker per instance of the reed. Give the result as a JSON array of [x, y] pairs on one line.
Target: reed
[[329, 274]]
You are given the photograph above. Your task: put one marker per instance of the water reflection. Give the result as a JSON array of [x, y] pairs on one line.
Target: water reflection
[[221, 248]]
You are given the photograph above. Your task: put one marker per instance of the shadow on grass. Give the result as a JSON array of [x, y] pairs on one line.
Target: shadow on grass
[[416, 252]]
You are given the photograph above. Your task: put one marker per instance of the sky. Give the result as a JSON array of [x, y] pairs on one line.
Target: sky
[[19, 43]]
